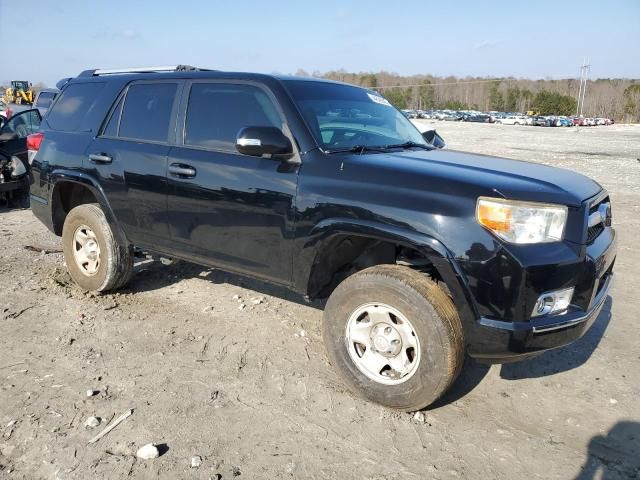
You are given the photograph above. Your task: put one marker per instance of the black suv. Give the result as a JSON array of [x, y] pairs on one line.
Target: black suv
[[423, 254]]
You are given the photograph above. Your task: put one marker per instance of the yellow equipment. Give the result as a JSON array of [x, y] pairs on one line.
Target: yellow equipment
[[532, 113], [19, 92]]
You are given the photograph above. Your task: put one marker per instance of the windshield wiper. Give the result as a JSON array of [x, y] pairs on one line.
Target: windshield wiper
[[406, 145], [358, 149]]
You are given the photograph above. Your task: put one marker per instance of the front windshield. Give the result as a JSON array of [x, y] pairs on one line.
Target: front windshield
[[341, 116]]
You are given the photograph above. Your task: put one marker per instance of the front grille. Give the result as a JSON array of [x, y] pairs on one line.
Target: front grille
[[599, 218], [603, 279], [593, 232]]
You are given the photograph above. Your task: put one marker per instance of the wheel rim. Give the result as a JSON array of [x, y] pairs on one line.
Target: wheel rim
[[86, 250], [382, 343]]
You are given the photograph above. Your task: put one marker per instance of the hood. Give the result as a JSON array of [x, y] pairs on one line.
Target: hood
[[512, 179]]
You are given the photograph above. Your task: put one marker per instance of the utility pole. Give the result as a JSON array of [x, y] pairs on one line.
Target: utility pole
[[584, 75]]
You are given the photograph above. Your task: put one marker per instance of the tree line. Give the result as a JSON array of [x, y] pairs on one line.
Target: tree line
[[611, 98]]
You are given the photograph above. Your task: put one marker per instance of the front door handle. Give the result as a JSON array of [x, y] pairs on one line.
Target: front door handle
[[100, 158], [181, 170]]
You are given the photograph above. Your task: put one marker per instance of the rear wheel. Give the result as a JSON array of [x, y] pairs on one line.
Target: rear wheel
[[94, 258], [394, 336]]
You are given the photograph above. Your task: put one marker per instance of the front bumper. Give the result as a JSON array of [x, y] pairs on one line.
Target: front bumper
[[500, 341]]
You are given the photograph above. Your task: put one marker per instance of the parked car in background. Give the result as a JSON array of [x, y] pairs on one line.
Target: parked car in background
[[562, 122], [476, 117], [452, 117], [14, 159], [512, 120], [542, 121], [44, 99], [409, 113]]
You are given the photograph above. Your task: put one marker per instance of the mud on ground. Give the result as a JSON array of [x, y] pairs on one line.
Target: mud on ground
[[249, 390]]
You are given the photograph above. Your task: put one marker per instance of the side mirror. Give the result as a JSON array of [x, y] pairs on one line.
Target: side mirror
[[259, 141], [432, 138]]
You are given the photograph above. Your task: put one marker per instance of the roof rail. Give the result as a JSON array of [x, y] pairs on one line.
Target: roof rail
[[167, 68]]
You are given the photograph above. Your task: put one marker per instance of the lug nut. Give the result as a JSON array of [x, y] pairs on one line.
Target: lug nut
[[387, 330]]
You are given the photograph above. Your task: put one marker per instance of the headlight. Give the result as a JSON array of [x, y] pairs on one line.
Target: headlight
[[522, 222]]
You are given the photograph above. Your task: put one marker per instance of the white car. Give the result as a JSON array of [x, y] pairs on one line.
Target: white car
[[512, 120]]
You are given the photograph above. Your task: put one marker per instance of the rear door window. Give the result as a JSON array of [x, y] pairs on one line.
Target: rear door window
[[217, 111], [146, 114], [76, 102]]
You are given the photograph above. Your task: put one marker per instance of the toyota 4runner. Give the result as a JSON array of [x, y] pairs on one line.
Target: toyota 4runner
[[423, 255]]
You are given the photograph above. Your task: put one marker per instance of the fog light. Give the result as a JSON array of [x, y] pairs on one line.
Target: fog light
[[553, 302]]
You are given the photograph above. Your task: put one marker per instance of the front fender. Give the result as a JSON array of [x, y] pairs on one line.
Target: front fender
[[325, 231]]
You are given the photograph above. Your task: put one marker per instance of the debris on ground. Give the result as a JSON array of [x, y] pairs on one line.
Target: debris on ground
[[92, 422], [148, 452], [419, 417], [91, 392], [112, 425], [43, 249], [196, 461]]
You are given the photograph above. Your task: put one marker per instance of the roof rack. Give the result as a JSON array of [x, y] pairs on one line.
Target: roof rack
[[167, 68]]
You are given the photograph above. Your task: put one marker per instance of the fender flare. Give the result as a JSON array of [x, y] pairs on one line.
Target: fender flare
[[439, 255], [60, 176]]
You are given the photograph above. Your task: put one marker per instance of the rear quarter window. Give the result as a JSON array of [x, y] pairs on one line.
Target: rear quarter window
[[74, 104]]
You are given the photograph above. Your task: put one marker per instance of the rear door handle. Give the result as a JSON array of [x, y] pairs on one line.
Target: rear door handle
[[100, 158], [181, 170]]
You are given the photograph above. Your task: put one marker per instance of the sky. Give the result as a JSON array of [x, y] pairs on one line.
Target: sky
[[524, 39]]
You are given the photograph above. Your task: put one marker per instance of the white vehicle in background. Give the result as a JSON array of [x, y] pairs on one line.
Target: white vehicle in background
[[512, 120], [44, 98]]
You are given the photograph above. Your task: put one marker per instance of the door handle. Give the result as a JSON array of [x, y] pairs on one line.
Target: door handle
[[182, 171], [100, 158]]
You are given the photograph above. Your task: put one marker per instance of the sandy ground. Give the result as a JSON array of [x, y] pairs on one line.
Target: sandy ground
[[249, 389]]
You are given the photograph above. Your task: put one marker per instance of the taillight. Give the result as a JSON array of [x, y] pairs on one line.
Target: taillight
[[34, 140], [33, 145]]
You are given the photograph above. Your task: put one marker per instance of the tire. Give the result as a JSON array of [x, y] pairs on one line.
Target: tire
[[115, 265], [433, 321]]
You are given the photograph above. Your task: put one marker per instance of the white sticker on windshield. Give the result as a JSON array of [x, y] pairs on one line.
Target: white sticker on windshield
[[378, 99]]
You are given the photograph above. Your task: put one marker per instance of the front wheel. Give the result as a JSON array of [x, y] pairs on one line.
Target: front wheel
[[94, 258], [394, 336]]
